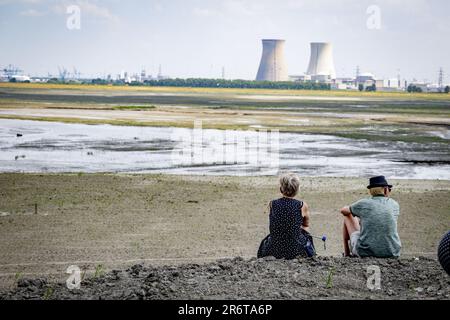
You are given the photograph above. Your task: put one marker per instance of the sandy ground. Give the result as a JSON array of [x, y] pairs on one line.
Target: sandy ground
[[106, 221]]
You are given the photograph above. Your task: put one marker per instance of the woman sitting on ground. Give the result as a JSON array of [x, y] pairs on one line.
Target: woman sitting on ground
[[289, 222]]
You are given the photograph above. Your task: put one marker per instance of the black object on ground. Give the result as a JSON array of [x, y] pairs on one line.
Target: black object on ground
[[444, 252]]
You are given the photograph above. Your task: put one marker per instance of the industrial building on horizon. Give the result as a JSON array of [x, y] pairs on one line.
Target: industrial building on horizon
[[273, 65], [272, 68], [321, 69]]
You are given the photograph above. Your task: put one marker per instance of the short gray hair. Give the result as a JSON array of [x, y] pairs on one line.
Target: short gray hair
[[289, 184]]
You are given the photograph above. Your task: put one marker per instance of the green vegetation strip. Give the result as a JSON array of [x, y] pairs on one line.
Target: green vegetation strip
[[134, 108]]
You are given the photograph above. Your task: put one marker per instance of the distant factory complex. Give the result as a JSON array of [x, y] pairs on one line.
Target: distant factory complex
[[321, 69], [272, 68]]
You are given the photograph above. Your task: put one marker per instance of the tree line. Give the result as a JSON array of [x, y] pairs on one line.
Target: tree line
[[221, 83], [413, 88], [245, 84]]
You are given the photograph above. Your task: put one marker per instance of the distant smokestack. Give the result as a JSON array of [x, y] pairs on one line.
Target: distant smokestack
[[321, 61], [272, 66]]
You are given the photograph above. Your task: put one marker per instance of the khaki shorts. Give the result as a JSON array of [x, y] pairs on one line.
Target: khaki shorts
[[354, 238]]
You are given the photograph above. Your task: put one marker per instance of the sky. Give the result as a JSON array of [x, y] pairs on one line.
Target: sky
[[197, 38]]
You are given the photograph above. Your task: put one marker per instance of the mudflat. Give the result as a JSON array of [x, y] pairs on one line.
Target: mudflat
[[379, 116]]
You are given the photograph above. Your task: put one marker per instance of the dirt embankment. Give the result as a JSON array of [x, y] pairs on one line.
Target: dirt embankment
[[316, 278]]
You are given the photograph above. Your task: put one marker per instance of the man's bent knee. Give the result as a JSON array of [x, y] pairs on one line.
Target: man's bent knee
[[351, 223]]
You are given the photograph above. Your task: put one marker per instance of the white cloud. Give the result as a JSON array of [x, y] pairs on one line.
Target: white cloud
[[5, 2], [32, 13], [97, 11], [88, 8], [203, 12], [158, 7], [240, 7], [231, 8]]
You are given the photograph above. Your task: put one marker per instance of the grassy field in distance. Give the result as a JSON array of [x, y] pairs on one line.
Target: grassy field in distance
[[324, 93]]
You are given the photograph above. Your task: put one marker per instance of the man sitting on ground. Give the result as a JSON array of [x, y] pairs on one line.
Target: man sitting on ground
[[370, 224]]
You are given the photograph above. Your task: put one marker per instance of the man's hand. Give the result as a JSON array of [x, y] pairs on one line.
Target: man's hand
[[346, 211]]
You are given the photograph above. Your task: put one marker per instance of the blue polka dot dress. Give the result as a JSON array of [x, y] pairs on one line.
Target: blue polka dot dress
[[286, 239]]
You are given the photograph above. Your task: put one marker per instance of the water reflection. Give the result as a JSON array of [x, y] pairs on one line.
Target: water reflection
[[59, 147]]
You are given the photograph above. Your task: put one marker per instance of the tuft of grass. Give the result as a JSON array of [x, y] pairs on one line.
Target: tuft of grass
[[83, 275], [99, 271], [17, 277], [137, 246], [329, 283], [48, 294]]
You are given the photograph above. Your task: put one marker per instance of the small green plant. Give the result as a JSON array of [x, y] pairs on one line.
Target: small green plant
[[99, 271], [49, 291], [83, 275], [17, 277], [330, 278], [137, 247]]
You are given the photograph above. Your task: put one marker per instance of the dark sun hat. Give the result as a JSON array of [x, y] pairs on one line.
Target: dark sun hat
[[379, 181]]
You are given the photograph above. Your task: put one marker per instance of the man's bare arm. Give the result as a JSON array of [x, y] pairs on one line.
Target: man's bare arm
[[269, 207], [306, 217]]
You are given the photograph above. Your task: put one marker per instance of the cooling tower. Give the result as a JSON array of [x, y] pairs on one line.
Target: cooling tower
[[321, 61], [272, 66]]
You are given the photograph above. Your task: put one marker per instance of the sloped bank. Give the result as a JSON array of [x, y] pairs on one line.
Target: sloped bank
[[316, 278]]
